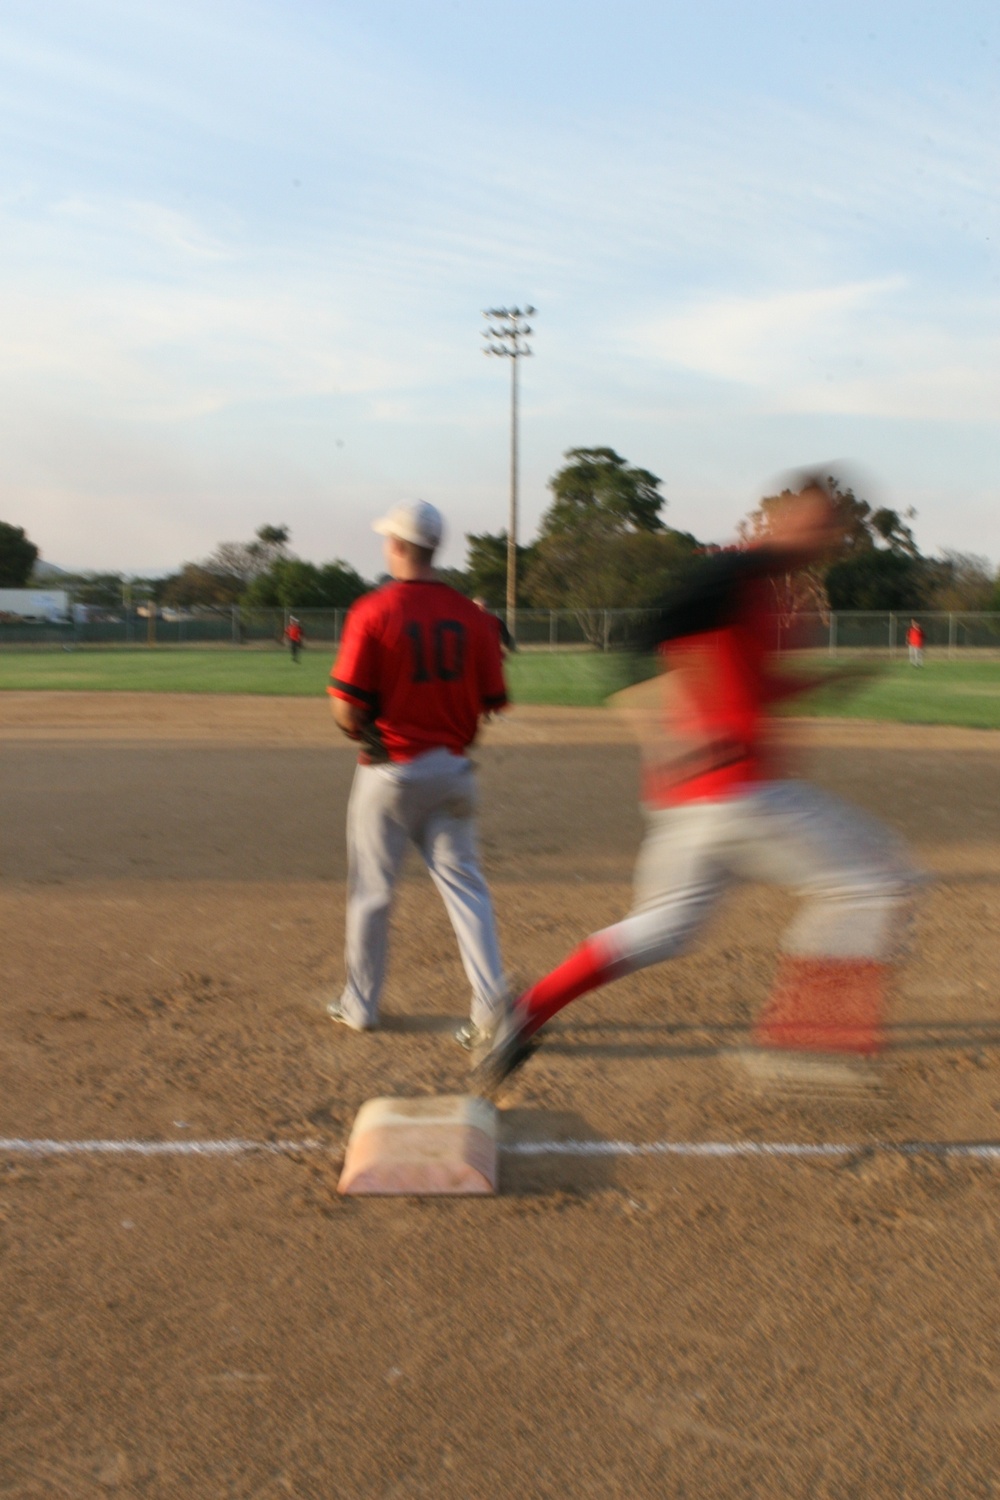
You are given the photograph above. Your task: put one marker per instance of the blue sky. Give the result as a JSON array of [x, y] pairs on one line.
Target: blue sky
[[246, 247]]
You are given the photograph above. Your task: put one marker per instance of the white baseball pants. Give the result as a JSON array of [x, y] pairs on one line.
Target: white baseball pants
[[429, 802], [854, 874]]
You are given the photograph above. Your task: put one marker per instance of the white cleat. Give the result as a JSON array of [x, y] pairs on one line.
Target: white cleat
[[336, 1012]]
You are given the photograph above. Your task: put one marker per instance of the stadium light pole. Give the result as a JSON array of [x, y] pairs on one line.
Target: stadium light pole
[[507, 335]]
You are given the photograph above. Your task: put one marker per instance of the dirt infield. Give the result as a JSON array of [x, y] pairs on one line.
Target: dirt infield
[[171, 901]]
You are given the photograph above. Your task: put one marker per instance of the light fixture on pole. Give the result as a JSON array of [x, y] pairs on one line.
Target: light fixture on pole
[[507, 335]]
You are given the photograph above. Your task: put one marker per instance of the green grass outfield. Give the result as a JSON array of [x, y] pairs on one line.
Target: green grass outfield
[[963, 692]]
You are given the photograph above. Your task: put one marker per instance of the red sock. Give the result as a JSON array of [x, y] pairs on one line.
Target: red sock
[[826, 1005], [587, 967]]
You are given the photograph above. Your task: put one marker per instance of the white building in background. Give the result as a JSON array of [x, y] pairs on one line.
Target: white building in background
[[36, 606]]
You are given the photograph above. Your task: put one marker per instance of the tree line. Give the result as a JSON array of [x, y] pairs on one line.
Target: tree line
[[602, 544]]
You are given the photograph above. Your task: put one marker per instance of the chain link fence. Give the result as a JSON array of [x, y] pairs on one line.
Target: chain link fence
[[882, 633]]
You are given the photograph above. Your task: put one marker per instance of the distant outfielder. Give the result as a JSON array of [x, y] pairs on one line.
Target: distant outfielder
[[915, 644], [295, 636], [418, 667], [719, 809]]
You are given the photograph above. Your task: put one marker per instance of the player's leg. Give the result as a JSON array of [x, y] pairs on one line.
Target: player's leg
[[678, 876], [444, 830], [837, 956], [376, 843], [680, 873]]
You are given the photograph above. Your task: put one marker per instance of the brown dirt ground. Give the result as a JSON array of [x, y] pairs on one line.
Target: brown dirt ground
[[171, 903]]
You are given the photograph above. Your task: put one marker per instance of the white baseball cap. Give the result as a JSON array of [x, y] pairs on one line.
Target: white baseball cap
[[414, 521]]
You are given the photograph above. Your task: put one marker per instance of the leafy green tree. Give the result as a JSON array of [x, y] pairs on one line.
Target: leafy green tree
[[242, 562], [593, 573], [597, 491], [341, 584], [877, 578], [456, 578], [199, 586], [602, 544], [291, 583], [894, 532], [17, 556], [486, 568], [99, 590], [272, 541], [963, 581], [288, 583]]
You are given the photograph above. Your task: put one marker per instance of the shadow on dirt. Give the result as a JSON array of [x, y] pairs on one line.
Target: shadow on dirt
[[707, 1039], [420, 1025], [530, 1167]]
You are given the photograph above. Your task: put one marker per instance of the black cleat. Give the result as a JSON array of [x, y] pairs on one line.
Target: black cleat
[[510, 1049]]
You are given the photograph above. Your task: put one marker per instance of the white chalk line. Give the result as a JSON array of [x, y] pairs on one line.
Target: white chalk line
[[990, 1150], [719, 1150], [24, 1146]]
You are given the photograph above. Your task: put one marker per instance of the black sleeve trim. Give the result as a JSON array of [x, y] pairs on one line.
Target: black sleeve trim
[[370, 700], [497, 701]]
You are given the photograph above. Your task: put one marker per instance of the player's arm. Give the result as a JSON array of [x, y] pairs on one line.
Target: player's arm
[[491, 684], [350, 717], [353, 680]]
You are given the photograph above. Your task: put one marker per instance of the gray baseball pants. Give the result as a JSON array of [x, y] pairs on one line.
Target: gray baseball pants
[[429, 802], [855, 874]]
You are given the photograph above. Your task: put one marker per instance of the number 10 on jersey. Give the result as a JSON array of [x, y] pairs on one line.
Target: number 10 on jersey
[[442, 656]]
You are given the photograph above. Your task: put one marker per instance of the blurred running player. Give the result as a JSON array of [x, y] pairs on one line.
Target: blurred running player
[[418, 667], [719, 808]]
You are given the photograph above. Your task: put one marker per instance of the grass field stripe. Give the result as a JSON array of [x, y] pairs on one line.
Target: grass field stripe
[[721, 1150]]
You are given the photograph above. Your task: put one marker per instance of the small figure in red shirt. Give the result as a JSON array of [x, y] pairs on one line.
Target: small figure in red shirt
[[915, 643], [719, 808], [418, 668], [295, 636]]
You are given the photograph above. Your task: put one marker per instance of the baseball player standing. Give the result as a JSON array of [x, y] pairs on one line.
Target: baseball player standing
[[418, 667], [294, 635], [915, 644], [720, 809]]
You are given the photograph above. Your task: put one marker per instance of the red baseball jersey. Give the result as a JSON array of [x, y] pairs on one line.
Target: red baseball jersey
[[425, 661], [720, 631]]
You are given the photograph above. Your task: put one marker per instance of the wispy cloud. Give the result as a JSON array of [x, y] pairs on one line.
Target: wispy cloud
[[147, 223], [758, 340], [864, 348]]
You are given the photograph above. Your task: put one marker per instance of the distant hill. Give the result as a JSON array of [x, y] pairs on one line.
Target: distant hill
[[46, 572]]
